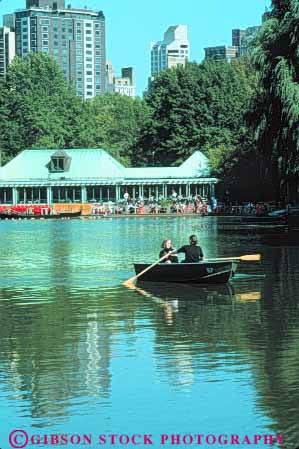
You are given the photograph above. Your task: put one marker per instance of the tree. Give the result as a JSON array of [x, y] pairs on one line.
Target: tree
[[196, 107], [275, 115], [112, 122], [37, 105]]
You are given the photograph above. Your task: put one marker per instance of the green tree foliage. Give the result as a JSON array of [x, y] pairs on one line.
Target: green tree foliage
[[275, 115], [112, 122], [196, 107], [37, 105], [39, 109]]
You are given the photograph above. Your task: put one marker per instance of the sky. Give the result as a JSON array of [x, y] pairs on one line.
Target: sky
[[132, 24]]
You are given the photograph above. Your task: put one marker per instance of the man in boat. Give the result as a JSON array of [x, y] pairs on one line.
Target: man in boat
[[193, 252], [167, 248]]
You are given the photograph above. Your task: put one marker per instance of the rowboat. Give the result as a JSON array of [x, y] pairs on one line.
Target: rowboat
[[188, 273]]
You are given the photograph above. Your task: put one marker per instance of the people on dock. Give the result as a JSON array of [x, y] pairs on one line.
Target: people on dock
[[166, 249], [193, 252]]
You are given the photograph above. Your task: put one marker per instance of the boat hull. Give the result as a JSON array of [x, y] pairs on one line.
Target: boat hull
[[188, 273], [16, 216]]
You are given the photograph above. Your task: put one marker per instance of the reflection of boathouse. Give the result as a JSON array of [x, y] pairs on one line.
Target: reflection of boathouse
[[92, 175]]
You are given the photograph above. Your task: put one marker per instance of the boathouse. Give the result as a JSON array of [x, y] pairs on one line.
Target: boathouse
[[92, 175]]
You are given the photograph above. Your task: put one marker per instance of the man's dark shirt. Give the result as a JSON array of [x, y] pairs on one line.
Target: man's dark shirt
[[193, 253]]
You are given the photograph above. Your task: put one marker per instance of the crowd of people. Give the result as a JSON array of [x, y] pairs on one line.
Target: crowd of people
[[177, 204]]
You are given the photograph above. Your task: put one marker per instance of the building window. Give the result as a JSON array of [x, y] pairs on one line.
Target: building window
[[46, 43], [57, 164], [45, 36], [88, 25], [45, 22], [89, 94], [88, 45], [88, 39], [89, 80], [88, 31]]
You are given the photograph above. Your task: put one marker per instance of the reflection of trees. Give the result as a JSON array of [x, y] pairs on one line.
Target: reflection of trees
[[276, 344], [60, 349], [263, 334]]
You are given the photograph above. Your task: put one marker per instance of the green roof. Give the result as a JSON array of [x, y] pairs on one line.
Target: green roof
[[87, 163], [94, 164]]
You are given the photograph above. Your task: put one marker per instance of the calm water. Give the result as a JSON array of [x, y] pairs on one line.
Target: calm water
[[79, 353]]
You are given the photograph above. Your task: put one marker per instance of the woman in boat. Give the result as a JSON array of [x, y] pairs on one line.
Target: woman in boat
[[193, 252], [167, 248]]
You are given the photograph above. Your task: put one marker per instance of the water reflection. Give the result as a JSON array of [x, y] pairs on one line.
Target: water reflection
[[75, 343]]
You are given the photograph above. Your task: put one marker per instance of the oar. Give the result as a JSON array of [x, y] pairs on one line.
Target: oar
[[246, 258], [130, 281]]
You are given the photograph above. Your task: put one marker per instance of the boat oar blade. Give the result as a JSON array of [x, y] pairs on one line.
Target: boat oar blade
[[130, 282], [251, 257]]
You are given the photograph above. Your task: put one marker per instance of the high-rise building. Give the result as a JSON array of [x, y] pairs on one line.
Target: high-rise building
[[124, 84], [172, 51], [7, 48], [109, 77], [243, 38], [74, 37], [221, 53]]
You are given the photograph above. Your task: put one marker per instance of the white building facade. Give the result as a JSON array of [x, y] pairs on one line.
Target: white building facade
[[172, 51], [7, 48]]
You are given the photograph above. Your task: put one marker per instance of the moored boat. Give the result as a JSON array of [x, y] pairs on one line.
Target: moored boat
[[188, 273], [17, 216]]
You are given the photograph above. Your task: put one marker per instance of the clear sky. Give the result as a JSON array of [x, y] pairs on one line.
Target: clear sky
[[132, 24]]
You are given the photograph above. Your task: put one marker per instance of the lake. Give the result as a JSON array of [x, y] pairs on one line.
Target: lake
[[81, 354]]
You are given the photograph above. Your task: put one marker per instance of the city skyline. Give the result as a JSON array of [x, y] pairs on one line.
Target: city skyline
[[129, 30]]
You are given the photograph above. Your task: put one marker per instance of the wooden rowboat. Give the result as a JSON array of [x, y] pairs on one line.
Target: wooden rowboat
[[188, 273]]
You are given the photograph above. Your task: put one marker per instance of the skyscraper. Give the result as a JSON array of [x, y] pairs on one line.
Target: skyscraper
[[241, 40], [74, 37], [7, 48], [173, 50]]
